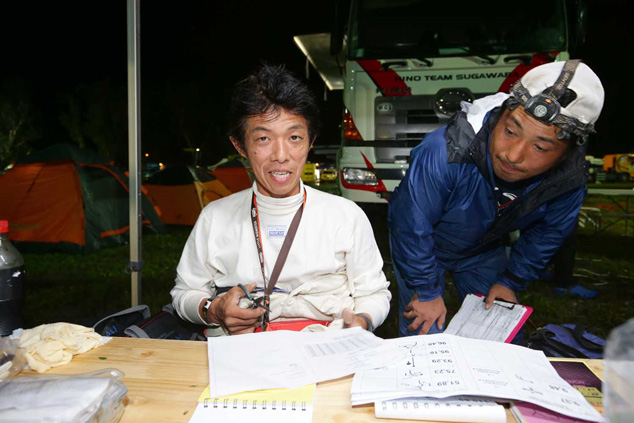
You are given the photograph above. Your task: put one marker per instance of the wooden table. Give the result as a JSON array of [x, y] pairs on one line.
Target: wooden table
[[165, 378]]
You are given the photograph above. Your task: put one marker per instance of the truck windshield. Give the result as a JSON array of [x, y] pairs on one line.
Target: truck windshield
[[382, 29]]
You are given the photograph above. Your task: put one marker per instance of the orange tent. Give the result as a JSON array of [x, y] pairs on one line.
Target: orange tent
[[181, 192], [233, 174], [67, 199]]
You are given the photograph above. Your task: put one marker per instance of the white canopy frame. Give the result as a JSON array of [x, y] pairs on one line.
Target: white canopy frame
[[134, 149]]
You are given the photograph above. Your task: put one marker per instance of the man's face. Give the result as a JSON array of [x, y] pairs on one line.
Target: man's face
[[522, 147], [277, 146]]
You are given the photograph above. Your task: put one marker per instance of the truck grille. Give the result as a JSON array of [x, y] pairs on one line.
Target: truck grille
[[406, 117], [415, 117]]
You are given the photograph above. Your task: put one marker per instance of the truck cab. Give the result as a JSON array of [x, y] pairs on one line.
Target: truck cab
[[406, 66]]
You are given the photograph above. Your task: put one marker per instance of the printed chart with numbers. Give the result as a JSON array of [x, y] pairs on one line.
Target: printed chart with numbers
[[286, 359], [442, 366]]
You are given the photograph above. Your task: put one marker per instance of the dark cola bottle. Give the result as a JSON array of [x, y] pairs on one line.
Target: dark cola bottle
[[11, 283]]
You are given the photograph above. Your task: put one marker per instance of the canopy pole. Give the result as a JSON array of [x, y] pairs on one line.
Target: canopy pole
[[134, 149]]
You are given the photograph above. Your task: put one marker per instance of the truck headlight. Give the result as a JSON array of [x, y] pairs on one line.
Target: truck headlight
[[355, 176]]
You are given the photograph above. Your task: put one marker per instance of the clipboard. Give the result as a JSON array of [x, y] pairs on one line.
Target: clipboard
[[473, 321], [511, 305]]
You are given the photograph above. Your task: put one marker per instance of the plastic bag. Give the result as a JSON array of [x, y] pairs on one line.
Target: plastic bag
[[85, 398], [11, 357], [618, 381]]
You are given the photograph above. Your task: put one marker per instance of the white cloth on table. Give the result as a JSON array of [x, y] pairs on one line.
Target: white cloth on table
[[54, 344]]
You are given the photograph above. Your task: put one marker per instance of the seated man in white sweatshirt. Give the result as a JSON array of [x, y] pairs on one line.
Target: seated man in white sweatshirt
[[333, 271]]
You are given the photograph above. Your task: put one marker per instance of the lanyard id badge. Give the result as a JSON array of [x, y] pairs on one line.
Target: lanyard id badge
[[281, 258]]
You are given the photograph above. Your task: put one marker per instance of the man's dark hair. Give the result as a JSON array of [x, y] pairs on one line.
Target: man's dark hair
[[267, 90]]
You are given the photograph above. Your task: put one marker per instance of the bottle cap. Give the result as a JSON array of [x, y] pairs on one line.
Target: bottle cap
[[4, 226]]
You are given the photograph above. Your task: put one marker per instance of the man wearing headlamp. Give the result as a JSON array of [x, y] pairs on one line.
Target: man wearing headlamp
[[502, 164]]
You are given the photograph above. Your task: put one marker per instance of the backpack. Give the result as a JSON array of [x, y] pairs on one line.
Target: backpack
[[136, 322], [566, 340], [114, 324], [166, 325]]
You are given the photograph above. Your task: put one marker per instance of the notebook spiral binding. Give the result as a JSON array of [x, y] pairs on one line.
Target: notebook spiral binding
[[236, 404]]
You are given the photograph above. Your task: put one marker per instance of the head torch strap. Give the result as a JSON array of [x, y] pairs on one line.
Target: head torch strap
[[570, 125], [561, 84], [520, 92]]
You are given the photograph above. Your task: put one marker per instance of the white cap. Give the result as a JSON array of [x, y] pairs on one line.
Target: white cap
[[585, 83]]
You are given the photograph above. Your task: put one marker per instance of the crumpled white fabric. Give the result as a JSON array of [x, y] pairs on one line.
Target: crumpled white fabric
[[477, 110], [54, 344]]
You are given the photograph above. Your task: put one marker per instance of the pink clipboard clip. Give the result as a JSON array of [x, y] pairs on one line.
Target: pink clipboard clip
[[511, 305]]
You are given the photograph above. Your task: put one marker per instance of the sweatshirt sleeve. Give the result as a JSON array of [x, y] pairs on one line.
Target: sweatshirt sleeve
[[364, 268], [194, 274], [414, 209], [540, 242]]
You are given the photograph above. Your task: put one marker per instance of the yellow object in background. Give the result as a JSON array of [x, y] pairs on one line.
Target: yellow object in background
[[328, 175], [308, 174]]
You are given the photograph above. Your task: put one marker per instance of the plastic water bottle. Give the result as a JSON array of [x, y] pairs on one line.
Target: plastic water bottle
[[11, 283], [618, 375]]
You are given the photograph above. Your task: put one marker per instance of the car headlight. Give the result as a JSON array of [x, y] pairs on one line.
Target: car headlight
[[355, 176]]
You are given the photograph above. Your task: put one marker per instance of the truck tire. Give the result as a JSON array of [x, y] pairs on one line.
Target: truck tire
[[623, 177]]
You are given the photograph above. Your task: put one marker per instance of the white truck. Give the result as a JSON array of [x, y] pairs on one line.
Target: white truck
[[405, 66]]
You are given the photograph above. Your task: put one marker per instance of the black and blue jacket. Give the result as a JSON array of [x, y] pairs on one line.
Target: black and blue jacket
[[444, 209]]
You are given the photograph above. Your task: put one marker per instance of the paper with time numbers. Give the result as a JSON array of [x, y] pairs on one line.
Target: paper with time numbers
[[442, 366]]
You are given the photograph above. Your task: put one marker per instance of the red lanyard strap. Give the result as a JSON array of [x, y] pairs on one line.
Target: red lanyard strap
[[286, 245]]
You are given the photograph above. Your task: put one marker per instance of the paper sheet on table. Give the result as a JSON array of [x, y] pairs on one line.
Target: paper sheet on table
[[500, 323], [285, 359], [271, 405], [457, 409], [446, 365]]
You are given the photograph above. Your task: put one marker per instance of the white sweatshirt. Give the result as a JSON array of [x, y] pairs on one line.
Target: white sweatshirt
[[333, 263]]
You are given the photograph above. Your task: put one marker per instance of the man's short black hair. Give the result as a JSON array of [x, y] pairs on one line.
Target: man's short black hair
[[267, 90]]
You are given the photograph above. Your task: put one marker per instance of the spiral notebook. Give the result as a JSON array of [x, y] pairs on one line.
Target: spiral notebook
[[271, 405], [456, 409]]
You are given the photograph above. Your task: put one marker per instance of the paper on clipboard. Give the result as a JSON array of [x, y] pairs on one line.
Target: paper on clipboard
[[500, 323]]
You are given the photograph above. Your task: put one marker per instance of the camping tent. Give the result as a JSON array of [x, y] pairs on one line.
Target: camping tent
[[232, 172], [67, 199], [181, 192]]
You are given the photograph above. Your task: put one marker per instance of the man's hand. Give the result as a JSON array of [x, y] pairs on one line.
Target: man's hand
[[351, 320], [226, 312], [501, 292], [425, 313]]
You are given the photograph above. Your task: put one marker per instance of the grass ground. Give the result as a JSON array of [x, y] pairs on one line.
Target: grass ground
[[64, 287]]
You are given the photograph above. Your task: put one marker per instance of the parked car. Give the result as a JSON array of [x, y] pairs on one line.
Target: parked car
[[328, 175]]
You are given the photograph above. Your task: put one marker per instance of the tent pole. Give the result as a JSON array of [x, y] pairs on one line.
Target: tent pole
[[134, 149]]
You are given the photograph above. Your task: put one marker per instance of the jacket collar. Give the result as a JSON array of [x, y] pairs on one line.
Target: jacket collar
[[465, 146]]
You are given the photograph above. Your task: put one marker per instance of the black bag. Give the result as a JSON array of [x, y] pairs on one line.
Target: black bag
[[114, 324], [166, 325], [566, 340], [136, 322]]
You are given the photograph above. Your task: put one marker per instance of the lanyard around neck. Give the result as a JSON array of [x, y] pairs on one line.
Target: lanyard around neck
[[286, 245]]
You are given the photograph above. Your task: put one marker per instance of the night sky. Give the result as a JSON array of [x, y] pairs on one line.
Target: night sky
[[69, 54]]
